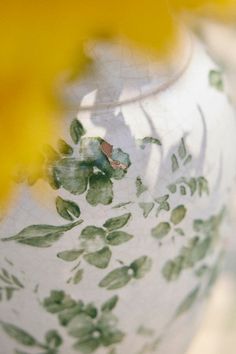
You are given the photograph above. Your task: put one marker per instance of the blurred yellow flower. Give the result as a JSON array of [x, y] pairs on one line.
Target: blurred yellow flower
[[41, 40]]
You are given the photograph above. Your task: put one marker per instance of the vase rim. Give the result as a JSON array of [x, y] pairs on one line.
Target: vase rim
[[171, 77]]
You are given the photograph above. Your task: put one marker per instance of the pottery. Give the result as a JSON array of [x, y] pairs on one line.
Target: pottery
[[115, 248]]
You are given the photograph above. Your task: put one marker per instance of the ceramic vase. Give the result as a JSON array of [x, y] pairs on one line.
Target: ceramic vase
[[114, 249]]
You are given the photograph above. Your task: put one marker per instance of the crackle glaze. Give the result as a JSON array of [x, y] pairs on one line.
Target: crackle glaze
[[114, 246]]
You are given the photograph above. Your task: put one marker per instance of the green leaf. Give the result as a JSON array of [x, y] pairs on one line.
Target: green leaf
[[73, 175], [172, 269], [110, 334], [51, 177], [140, 187], [120, 205], [116, 238], [201, 249], [147, 208], [214, 272], [148, 140], [216, 79], [92, 231], [53, 339], [91, 310], [6, 274], [183, 190], [67, 209], [41, 241], [117, 222], [76, 130], [174, 163], [78, 276], [110, 304], [182, 152], [64, 148], [178, 214], [41, 230], [199, 225], [116, 279], [18, 334], [202, 186], [9, 292], [179, 231], [58, 301], [17, 282], [70, 255], [6, 281], [87, 346], [92, 238], [80, 326], [188, 159], [66, 315], [115, 336], [99, 259], [188, 302], [141, 266], [100, 190], [161, 230], [162, 199], [51, 154], [163, 204], [192, 185]]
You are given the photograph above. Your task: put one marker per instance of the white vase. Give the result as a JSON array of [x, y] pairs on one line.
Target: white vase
[[115, 249]]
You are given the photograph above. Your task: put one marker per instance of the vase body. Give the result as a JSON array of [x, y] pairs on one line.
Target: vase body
[[116, 249]]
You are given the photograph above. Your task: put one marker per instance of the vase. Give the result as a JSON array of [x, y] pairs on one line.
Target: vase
[[113, 247]]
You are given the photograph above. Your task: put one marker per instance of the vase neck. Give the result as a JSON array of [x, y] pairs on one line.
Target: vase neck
[[119, 75]]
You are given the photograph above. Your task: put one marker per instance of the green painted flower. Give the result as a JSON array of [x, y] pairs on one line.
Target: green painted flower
[[94, 333], [58, 301], [66, 308], [119, 277], [91, 327], [198, 247], [96, 242], [92, 238], [92, 172]]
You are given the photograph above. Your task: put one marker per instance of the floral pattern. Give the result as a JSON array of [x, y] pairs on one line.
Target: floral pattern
[[91, 327], [92, 172], [118, 234]]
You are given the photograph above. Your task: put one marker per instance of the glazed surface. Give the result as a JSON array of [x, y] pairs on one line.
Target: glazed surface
[[114, 245]]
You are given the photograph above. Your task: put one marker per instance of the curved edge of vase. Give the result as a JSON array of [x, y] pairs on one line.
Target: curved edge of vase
[[156, 84]]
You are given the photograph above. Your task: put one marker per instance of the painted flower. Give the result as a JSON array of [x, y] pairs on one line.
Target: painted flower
[[92, 172], [58, 301], [97, 241], [91, 327], [94, 333]]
